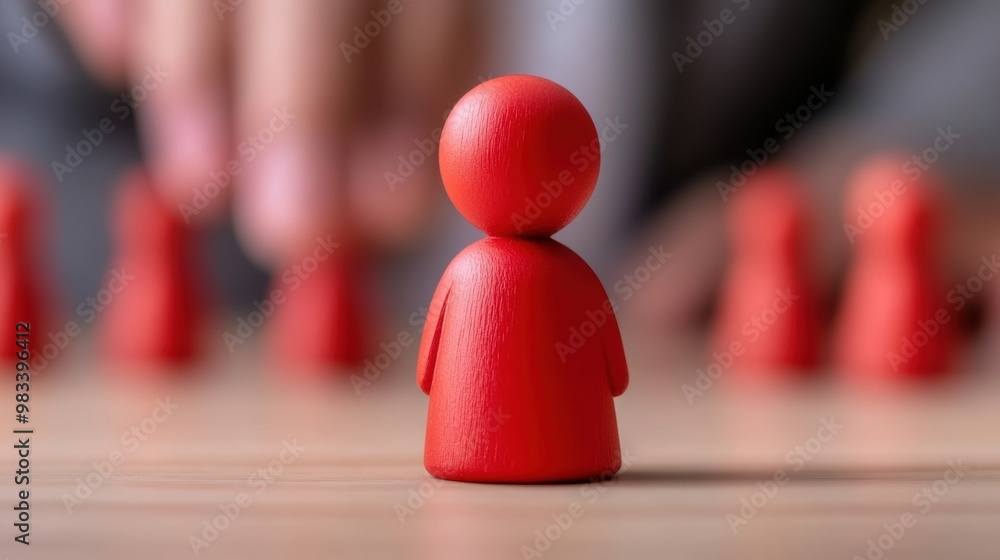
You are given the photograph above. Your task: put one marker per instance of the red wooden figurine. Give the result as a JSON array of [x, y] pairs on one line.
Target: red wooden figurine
[[768, 304], [521, 353], [896, 323], [154, 313]]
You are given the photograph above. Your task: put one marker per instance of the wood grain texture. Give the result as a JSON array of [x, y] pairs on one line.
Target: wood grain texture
[[358, 489]]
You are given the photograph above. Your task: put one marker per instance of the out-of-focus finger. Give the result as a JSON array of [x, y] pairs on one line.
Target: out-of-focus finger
[[295, 94], [99, 30], [180, 70], [430, 56]]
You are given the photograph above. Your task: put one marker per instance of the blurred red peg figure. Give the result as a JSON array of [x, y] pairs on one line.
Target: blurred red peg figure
[[895, 323], [153, 313], [320, 310], [515, 396], [22, 281], [768, 322]]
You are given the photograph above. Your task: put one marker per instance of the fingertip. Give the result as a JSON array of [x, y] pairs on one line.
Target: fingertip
[[287, 199], [100, 32], [179, 71], [187, 144]]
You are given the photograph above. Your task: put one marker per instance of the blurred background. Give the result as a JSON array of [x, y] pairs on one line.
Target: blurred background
[[264, 124], [681, 90]]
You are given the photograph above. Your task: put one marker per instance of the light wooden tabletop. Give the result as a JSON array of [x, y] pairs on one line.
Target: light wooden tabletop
[[234, 462]]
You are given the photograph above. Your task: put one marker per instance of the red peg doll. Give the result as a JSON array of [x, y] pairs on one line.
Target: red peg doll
[[22, 287], [155, 315], [895, 323], [521, 353], [768, 304], [321, 322]]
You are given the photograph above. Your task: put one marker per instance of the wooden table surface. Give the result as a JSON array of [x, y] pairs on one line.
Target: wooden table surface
[[292, 470]]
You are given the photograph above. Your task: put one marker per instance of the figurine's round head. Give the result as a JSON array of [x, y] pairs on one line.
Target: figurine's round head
[[519, 156]]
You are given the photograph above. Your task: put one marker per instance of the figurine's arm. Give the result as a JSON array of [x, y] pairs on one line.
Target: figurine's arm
[[609, 335], [431, 338], [614, 352]]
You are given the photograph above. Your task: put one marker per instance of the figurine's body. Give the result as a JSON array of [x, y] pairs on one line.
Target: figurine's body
[[523, 361]]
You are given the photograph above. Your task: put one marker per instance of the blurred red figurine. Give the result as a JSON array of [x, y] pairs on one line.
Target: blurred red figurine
[[768, 304], [20, 291], [154, 314], [514, 397], [896, 323], [321, 321]]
